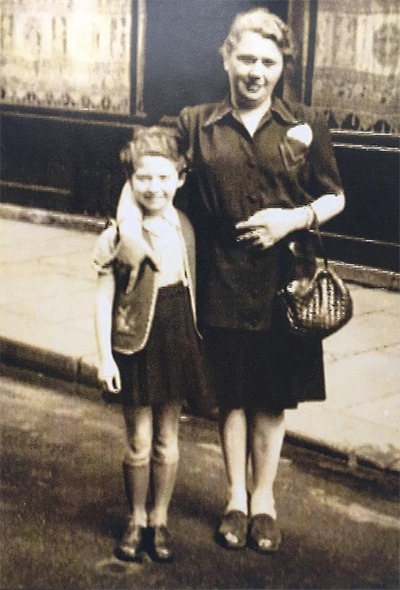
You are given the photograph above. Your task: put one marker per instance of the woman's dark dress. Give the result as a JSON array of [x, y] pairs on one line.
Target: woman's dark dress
[[232, 176]]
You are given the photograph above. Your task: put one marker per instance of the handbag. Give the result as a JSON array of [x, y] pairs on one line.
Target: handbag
[[315, 304]]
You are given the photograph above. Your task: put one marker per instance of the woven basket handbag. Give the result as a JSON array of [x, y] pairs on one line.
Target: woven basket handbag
[[316, 305]]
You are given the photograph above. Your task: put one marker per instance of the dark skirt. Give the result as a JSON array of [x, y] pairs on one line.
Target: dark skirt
[[170, 368], [264, 370]]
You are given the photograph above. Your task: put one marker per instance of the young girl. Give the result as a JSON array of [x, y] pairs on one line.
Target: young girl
[[147, 338]]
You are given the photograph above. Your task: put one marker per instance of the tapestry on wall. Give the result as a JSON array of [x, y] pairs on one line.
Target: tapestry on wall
[[357, 64], [66, 54]]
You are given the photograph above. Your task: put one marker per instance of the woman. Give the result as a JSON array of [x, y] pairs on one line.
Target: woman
[[253, 160]]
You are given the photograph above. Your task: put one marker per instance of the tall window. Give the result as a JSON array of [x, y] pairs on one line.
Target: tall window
[[356, 64], [68, 54]]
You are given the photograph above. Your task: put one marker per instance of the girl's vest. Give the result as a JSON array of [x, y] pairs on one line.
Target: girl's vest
[[133, 310]]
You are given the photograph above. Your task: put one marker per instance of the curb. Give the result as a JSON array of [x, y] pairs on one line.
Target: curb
[[54, 364], [364, 457], [76, 370], [54, 218]]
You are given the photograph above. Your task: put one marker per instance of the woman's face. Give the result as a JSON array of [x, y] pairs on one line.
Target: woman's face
[[254, 68]]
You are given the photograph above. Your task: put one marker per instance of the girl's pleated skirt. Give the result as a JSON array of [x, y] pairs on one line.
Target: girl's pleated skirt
[[170, 368]]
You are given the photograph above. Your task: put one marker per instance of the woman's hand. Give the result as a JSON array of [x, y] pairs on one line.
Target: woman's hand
[[108, 375], [268, 226]]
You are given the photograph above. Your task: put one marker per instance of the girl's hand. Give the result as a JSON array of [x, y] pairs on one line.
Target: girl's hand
[[108, 375], [268, 226]]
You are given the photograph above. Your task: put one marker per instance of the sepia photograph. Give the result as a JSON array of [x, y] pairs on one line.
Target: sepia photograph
[[199, 294]]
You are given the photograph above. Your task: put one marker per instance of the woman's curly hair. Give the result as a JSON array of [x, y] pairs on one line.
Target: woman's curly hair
[[157, 140], [265, 23]]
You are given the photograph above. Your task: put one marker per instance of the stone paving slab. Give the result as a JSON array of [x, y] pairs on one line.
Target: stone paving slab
[[361, 378], [385, 411], [372, 331], [369, 300], [357, 439]]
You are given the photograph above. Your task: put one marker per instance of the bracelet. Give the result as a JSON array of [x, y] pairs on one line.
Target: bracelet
[[311, 216]]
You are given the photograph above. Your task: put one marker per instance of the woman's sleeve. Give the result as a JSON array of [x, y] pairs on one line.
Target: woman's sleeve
[[132, 249], [323, 174], [105, 250], [127, 209], [182, 124], [185, 124], [186, 134]]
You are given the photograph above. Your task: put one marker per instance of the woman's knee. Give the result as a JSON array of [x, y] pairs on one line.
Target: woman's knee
[[267, 430], [264, 420]]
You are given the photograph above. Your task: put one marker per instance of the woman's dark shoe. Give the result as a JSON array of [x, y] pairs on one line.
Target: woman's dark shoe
[[160, 544], [264, 534], [232, 530], [131, 546]]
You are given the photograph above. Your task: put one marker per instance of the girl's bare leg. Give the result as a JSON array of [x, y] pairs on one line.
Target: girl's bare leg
[[136, 475], [165, 461], [139, 424]]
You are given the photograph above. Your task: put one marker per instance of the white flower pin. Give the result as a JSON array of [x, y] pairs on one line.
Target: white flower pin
[[301, 133]]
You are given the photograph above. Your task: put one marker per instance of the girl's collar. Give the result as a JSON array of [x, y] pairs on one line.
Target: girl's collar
[[169, 216]]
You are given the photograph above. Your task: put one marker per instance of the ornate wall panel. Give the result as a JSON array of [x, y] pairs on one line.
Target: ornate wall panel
[[67, 54], [357, 63]]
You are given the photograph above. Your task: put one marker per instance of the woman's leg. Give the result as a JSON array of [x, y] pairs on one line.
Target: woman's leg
[[165, 461], [233, 434], [232, 530], [267, 431]]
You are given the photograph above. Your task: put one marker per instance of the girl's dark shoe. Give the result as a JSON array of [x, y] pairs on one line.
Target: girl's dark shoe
[[232, 531], [160, 544], [264, 534], [131, 546]]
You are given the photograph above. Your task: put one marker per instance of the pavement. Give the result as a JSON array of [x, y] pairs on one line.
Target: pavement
[[46, 324], [63, 506]]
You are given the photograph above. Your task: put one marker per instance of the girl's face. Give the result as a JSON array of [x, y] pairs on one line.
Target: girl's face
[[155, 182], [254, 68]]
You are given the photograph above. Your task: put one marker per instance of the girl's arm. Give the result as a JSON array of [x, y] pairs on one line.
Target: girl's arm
[[108, 373]]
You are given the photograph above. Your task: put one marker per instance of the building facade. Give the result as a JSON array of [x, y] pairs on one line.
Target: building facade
[[77, 75]]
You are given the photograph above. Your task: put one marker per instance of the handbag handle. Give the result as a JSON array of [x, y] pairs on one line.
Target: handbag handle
[[300, 196], [315, 229]]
